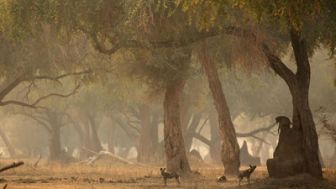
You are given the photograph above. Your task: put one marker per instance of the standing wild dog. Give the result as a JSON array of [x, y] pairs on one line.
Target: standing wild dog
[[166, 175], [246, 173]]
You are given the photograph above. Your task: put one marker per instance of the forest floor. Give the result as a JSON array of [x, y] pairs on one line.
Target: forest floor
[[77, 176]]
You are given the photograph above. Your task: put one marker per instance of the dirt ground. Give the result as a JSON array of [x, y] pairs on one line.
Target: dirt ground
[[76, 176]]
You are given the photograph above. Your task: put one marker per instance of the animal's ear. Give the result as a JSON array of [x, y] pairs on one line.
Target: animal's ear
[[164, 169], [161, 169], [250, 166]]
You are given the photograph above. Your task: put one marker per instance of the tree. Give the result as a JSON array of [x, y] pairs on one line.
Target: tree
[[52, 122], [294, 25], [230, 147]]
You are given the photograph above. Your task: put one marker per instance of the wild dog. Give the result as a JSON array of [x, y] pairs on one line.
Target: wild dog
[[246, 173], [221, 179], [166, 175]]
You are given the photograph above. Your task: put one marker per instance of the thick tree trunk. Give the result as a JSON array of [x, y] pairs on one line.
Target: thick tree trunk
[[146, 147], [215, 146], [9, 146], [303, 120], [55, 149], [302, 115], [174, 144], [298, 84], [230, 147]]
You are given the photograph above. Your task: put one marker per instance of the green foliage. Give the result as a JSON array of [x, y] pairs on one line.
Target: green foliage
[[314, 18]]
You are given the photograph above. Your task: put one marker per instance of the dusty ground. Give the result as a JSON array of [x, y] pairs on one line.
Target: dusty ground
[[77, 176]]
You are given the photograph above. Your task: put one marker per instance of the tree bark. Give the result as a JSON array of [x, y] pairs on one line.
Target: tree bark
[[215, 143], [298, 84], [230, 147], [174, 144], [302, 115]]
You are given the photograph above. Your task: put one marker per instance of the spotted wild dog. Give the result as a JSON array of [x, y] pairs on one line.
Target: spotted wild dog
[[246, 173], [166, 175]]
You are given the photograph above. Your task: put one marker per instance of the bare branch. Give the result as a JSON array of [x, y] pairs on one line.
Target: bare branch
[[56, 78], [8, 88], [34, 105], [202, 138], [262, 140], [5, 90], [57, 95], [254, 132], [203, 124], [29, 89], [11, 166]]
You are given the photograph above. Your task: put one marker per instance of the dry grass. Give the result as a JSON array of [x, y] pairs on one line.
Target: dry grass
[[112, 176]]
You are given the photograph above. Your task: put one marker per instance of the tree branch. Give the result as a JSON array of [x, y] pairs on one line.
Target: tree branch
[[56, 78], [278, 66], [8, 88], [34, 104], [14, 83], [202, 138], [262, 140], [254, 132], [300, 52], [203, 124]]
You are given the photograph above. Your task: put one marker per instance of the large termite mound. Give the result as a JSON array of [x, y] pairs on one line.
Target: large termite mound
[[246, 158], [288, 159]]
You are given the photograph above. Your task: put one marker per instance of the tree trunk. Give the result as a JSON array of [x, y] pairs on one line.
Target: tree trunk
[[214, 139], [298, 84], [174, 144], [146, 149], [155, 121], [302, 115], [303, 120], [9, 146], [110, 141], [55, 149], [230, 147], [95, 142], [81, 138]]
